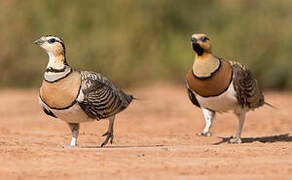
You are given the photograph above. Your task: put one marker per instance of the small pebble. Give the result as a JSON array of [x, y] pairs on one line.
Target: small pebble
[[140, 155]]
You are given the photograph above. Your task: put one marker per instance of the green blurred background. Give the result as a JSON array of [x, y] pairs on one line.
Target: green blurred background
[[146, 41]]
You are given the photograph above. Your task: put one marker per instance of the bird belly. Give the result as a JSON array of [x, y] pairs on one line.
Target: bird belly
[[222, 103], [74, 114]]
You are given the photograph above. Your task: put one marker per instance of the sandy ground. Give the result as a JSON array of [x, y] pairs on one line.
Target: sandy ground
[[154, 139]]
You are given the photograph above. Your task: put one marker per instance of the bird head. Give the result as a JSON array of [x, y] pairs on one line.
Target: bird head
[[51, 44], [201, 44]]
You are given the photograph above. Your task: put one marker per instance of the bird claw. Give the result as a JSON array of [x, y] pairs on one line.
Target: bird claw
[[235, 140], [109, 136], [207, 134]]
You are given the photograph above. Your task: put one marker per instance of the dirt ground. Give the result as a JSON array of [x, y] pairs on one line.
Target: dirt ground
[[154, 139]]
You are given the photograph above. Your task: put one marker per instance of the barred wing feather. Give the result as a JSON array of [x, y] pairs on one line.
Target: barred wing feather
[[101, 98], [247, 89]]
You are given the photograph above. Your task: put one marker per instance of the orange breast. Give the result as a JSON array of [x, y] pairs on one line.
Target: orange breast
[[215, 85], [62, 93]]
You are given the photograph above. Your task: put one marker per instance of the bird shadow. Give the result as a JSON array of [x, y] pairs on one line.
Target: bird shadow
[[117, 147], [265, 139]]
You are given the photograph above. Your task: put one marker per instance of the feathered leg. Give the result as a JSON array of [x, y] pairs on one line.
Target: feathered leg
[[209, 118], [241, 117], [74, 127], [110, 132]]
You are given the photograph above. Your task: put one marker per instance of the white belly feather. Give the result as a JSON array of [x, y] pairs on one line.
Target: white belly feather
[[225, 102], [73, 114]]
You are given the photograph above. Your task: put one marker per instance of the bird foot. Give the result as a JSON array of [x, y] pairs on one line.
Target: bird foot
[[235, 140], [207, 134], [109, 136]]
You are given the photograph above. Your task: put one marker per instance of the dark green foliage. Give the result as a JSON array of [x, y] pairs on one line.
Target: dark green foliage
[[133, 42]]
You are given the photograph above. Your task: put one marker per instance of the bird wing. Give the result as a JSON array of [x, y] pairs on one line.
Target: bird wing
[[101, 98], [246, 87], [48, 112], [46, 109], [192, 95]]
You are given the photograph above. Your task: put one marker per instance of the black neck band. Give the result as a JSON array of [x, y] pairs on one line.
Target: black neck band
[[50, 69]]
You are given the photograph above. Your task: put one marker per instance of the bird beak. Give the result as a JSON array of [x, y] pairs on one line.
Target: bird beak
[[193, 40], [38, 42]]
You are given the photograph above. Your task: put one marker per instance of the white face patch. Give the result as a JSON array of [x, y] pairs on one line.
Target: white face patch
[[56, 51], [51, 43]]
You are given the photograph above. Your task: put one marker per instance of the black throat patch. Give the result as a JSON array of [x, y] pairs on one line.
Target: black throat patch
[[198, 49]]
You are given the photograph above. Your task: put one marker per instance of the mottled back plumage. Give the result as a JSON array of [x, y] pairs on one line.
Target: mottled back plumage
[[101, 98], [248, 92]]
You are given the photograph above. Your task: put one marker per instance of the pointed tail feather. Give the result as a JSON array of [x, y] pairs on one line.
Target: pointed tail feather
[[135, 98], [270, 105]]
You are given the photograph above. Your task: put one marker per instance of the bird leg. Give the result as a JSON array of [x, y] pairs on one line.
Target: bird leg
[[209, 118], [241, 118], [110, 132], [74, 127]]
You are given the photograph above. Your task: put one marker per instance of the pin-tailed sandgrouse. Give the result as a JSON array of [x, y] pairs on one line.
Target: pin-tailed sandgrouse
[[77, 96], [218, 85]]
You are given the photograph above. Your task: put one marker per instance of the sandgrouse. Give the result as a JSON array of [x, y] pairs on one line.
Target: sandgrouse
[[219, 85], [77, 96]]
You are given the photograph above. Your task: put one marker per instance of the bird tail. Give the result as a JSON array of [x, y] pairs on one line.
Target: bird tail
[[270, 105], [130, 97], [135, 98]]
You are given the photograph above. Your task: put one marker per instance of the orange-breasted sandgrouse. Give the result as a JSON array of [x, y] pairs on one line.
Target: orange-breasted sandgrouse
[[77, 96], [219, 85]]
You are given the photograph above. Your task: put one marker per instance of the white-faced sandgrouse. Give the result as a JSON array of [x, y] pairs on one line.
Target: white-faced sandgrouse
[[77, 96], [219, 85]]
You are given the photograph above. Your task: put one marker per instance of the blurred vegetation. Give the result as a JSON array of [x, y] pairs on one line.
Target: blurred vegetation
[[138, 42]]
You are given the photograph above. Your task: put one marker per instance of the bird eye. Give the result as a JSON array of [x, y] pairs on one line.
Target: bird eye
[[52, 40], [204, 38]]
